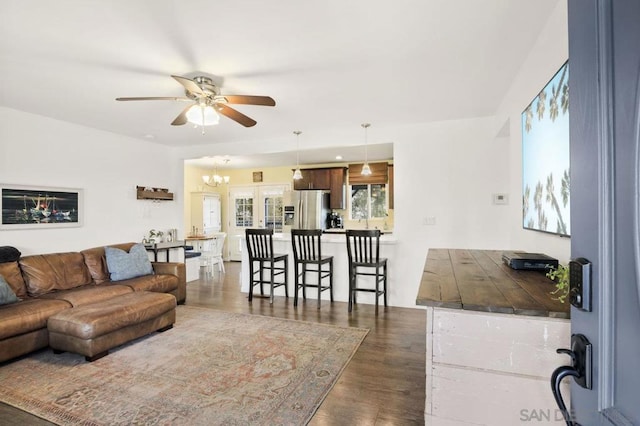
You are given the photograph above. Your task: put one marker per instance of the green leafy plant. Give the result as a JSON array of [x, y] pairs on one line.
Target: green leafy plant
[[155, 235], [560, 276]]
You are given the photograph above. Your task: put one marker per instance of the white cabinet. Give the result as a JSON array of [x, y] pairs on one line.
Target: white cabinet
[[205, 212]]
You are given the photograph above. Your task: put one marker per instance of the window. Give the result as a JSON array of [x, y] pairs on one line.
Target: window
[[273, 214], [244, 211], [368, 201]]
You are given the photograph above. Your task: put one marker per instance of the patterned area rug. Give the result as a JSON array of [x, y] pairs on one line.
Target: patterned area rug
[[212, 368]]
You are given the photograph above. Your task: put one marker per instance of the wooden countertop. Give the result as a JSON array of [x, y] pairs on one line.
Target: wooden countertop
[[478, 280]]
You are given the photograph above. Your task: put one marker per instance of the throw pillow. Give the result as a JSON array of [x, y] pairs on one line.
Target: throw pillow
[[9, 254], [6, 294], [123, 265]]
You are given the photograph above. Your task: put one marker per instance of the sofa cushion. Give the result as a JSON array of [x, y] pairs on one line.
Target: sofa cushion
[[123, 265], [99, 319], [45, 273], [96, 261], [28, 315], [11, 273], [7, 295], [155, 283], [88, 294]]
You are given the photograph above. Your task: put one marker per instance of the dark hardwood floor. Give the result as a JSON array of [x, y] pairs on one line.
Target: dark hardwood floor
[[384, 384]]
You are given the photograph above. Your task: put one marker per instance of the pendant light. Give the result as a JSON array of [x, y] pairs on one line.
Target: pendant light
[[366, 170], [297, 175]]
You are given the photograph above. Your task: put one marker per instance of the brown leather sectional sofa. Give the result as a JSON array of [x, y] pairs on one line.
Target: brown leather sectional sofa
[[50, 283]]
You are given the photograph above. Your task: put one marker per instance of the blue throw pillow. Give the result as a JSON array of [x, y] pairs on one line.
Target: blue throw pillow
[[6, 294], [123, 265]]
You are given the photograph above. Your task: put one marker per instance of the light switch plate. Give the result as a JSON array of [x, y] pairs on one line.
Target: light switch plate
[[501, 199]]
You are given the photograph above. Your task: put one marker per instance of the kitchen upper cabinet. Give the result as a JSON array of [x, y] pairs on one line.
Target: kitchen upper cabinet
[[338, 185], [331, 179], [313, 179]]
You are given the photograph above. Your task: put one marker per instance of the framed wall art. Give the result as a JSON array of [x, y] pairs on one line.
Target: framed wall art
[[40, 207]]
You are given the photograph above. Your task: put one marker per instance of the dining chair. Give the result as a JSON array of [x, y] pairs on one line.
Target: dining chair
[[212, 253], [363, 251], [216, 253], [260, 253], [308, 258]]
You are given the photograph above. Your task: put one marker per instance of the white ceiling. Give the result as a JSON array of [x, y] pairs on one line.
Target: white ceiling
[[331, 63]]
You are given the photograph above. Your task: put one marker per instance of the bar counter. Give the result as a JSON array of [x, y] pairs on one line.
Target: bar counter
[[332, 245]]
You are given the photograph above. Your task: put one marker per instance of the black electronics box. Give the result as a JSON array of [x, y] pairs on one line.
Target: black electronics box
[[529, 261]]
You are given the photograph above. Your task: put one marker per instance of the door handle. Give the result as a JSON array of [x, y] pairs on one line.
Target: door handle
[[580, 370]]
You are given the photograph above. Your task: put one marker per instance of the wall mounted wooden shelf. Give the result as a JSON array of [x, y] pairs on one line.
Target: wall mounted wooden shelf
[[148, 193]]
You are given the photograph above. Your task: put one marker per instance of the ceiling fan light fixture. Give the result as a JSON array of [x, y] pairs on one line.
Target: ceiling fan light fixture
[[202, 115]]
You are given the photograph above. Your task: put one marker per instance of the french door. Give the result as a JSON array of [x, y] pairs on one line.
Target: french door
[[255, 206]]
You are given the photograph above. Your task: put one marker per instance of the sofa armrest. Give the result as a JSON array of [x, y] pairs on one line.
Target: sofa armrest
[[177, 269]]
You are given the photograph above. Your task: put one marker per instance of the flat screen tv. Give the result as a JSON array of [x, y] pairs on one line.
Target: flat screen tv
[[545, 158]]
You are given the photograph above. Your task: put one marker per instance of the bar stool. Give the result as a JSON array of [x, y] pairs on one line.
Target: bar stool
[[363, 250], [307, 252], [260, 250]]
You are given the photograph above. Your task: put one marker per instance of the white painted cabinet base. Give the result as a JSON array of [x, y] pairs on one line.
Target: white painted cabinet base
[[192, 266], [492, 369]]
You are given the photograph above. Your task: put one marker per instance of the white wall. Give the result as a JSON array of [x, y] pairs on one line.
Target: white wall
[[544, 60], [35, 150], [447, 171]]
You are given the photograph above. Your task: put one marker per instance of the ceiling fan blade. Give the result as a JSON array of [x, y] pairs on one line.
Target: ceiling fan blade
[[155, 98], [236, 115], [189, 84], [250, 100], [182, 118]]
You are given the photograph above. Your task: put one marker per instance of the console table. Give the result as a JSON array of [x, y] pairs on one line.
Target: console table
[[492, 333], [158, 247]]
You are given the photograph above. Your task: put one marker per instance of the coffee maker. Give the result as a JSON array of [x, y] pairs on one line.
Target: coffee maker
[[334, 221]]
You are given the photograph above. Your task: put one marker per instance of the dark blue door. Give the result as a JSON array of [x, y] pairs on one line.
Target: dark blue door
[[604, 54]]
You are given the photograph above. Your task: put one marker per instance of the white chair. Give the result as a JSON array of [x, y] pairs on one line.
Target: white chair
[[212, 253]]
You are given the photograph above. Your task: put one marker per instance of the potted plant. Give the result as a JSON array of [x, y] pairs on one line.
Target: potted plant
[[560, 276], [155, 237]]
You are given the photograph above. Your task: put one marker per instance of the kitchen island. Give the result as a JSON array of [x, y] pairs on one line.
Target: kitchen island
[[492, 333], [332, 245]]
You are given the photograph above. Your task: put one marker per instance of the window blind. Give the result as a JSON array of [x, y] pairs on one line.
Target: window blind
[[379, 174]]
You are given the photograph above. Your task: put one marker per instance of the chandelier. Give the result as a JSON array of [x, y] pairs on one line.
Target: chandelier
[[215, 179]]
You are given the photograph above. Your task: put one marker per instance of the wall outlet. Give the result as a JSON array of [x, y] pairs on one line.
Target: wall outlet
[[429, 220]]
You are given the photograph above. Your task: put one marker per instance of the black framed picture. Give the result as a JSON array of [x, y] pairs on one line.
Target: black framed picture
[[36, 207]]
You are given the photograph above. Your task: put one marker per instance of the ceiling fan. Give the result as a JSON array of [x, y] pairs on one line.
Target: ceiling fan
[[207, 103]]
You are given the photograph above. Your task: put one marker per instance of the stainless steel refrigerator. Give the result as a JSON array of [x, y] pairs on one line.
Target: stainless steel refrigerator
[[310, 209]]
